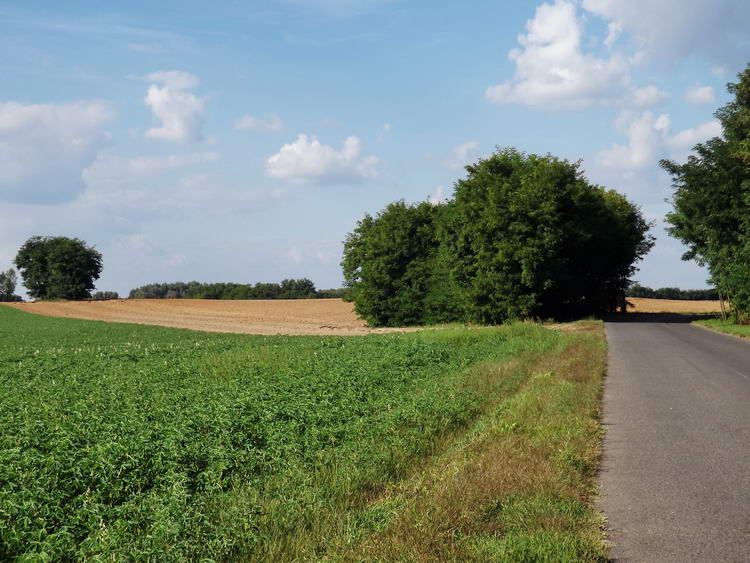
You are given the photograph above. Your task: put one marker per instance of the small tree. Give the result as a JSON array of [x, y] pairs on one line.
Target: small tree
[[58, 267], [8, 286]]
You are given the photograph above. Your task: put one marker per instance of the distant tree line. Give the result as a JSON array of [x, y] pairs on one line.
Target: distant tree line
[[302, 288], [711, 202], [523, 236], [104, 295], [637, 290]]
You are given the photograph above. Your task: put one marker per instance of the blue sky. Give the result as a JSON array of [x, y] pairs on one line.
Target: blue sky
[[242, 141]]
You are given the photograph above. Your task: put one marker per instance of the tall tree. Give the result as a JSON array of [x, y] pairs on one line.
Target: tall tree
[[58, 267], [531, 237], [8, 285], [711, 201]]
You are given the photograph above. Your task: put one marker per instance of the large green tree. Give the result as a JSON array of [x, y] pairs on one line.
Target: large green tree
[[390, 261], [524, 236], [711, 201], [531, 237], [58, 267]]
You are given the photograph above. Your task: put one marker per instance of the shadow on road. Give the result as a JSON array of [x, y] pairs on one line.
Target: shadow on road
[[656, 317]]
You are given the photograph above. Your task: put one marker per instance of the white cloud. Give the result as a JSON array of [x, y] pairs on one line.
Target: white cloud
[[681, 143], [306, 159], [647, 96], [669, 29], [649, 140], [45, 148], [699, 95], [174, 79], [152, 163], [272, 123], [461, 155], [552, 69], [180, 112], [438, 197]]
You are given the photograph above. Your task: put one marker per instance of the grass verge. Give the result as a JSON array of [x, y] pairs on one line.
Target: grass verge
[[123, 441], [726, 326], [518, 484]]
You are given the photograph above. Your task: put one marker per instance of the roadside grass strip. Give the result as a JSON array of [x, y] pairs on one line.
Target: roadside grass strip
[[725, 326], [518, 484], [131, 442]]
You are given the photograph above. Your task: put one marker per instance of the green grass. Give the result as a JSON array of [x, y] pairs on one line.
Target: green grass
[[130, 442], [726, 326]]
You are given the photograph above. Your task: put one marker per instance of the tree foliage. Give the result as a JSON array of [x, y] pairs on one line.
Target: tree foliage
[[8, 282], [58, 267], [711, 201], [524, 236], [388, 262]]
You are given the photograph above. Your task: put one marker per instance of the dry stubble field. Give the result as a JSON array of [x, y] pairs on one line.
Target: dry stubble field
[[643, 305], [280, 316]]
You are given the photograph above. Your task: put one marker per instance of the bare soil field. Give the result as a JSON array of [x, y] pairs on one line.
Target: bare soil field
[[643, 305], [280, 316]]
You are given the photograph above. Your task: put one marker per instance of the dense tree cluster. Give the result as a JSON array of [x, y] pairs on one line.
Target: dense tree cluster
[[8, 282], [524, 236], [711, 202], [301, 288], [638, 290], [58, 267]]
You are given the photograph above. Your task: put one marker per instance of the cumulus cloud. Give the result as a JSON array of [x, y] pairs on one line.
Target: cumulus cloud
[[699, 95], [553, 70], [669, 29], [152, 163], [44, 149], [649, 139], [307, 159], [271, 123], [180, 112]]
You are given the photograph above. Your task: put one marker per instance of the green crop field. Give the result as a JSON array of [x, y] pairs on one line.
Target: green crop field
[[130, 442]]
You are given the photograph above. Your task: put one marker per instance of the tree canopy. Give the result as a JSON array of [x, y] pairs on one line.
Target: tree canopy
[[8, 286], [711, 201], [58, 267], [524, 236]]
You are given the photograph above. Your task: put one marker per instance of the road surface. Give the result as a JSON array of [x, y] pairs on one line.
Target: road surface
[[676, 470]]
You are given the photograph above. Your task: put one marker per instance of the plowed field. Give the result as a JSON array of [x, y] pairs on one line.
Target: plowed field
[[280, 316]]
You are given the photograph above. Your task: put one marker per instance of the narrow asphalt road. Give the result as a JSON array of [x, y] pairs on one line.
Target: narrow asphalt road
[[676, 470]]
